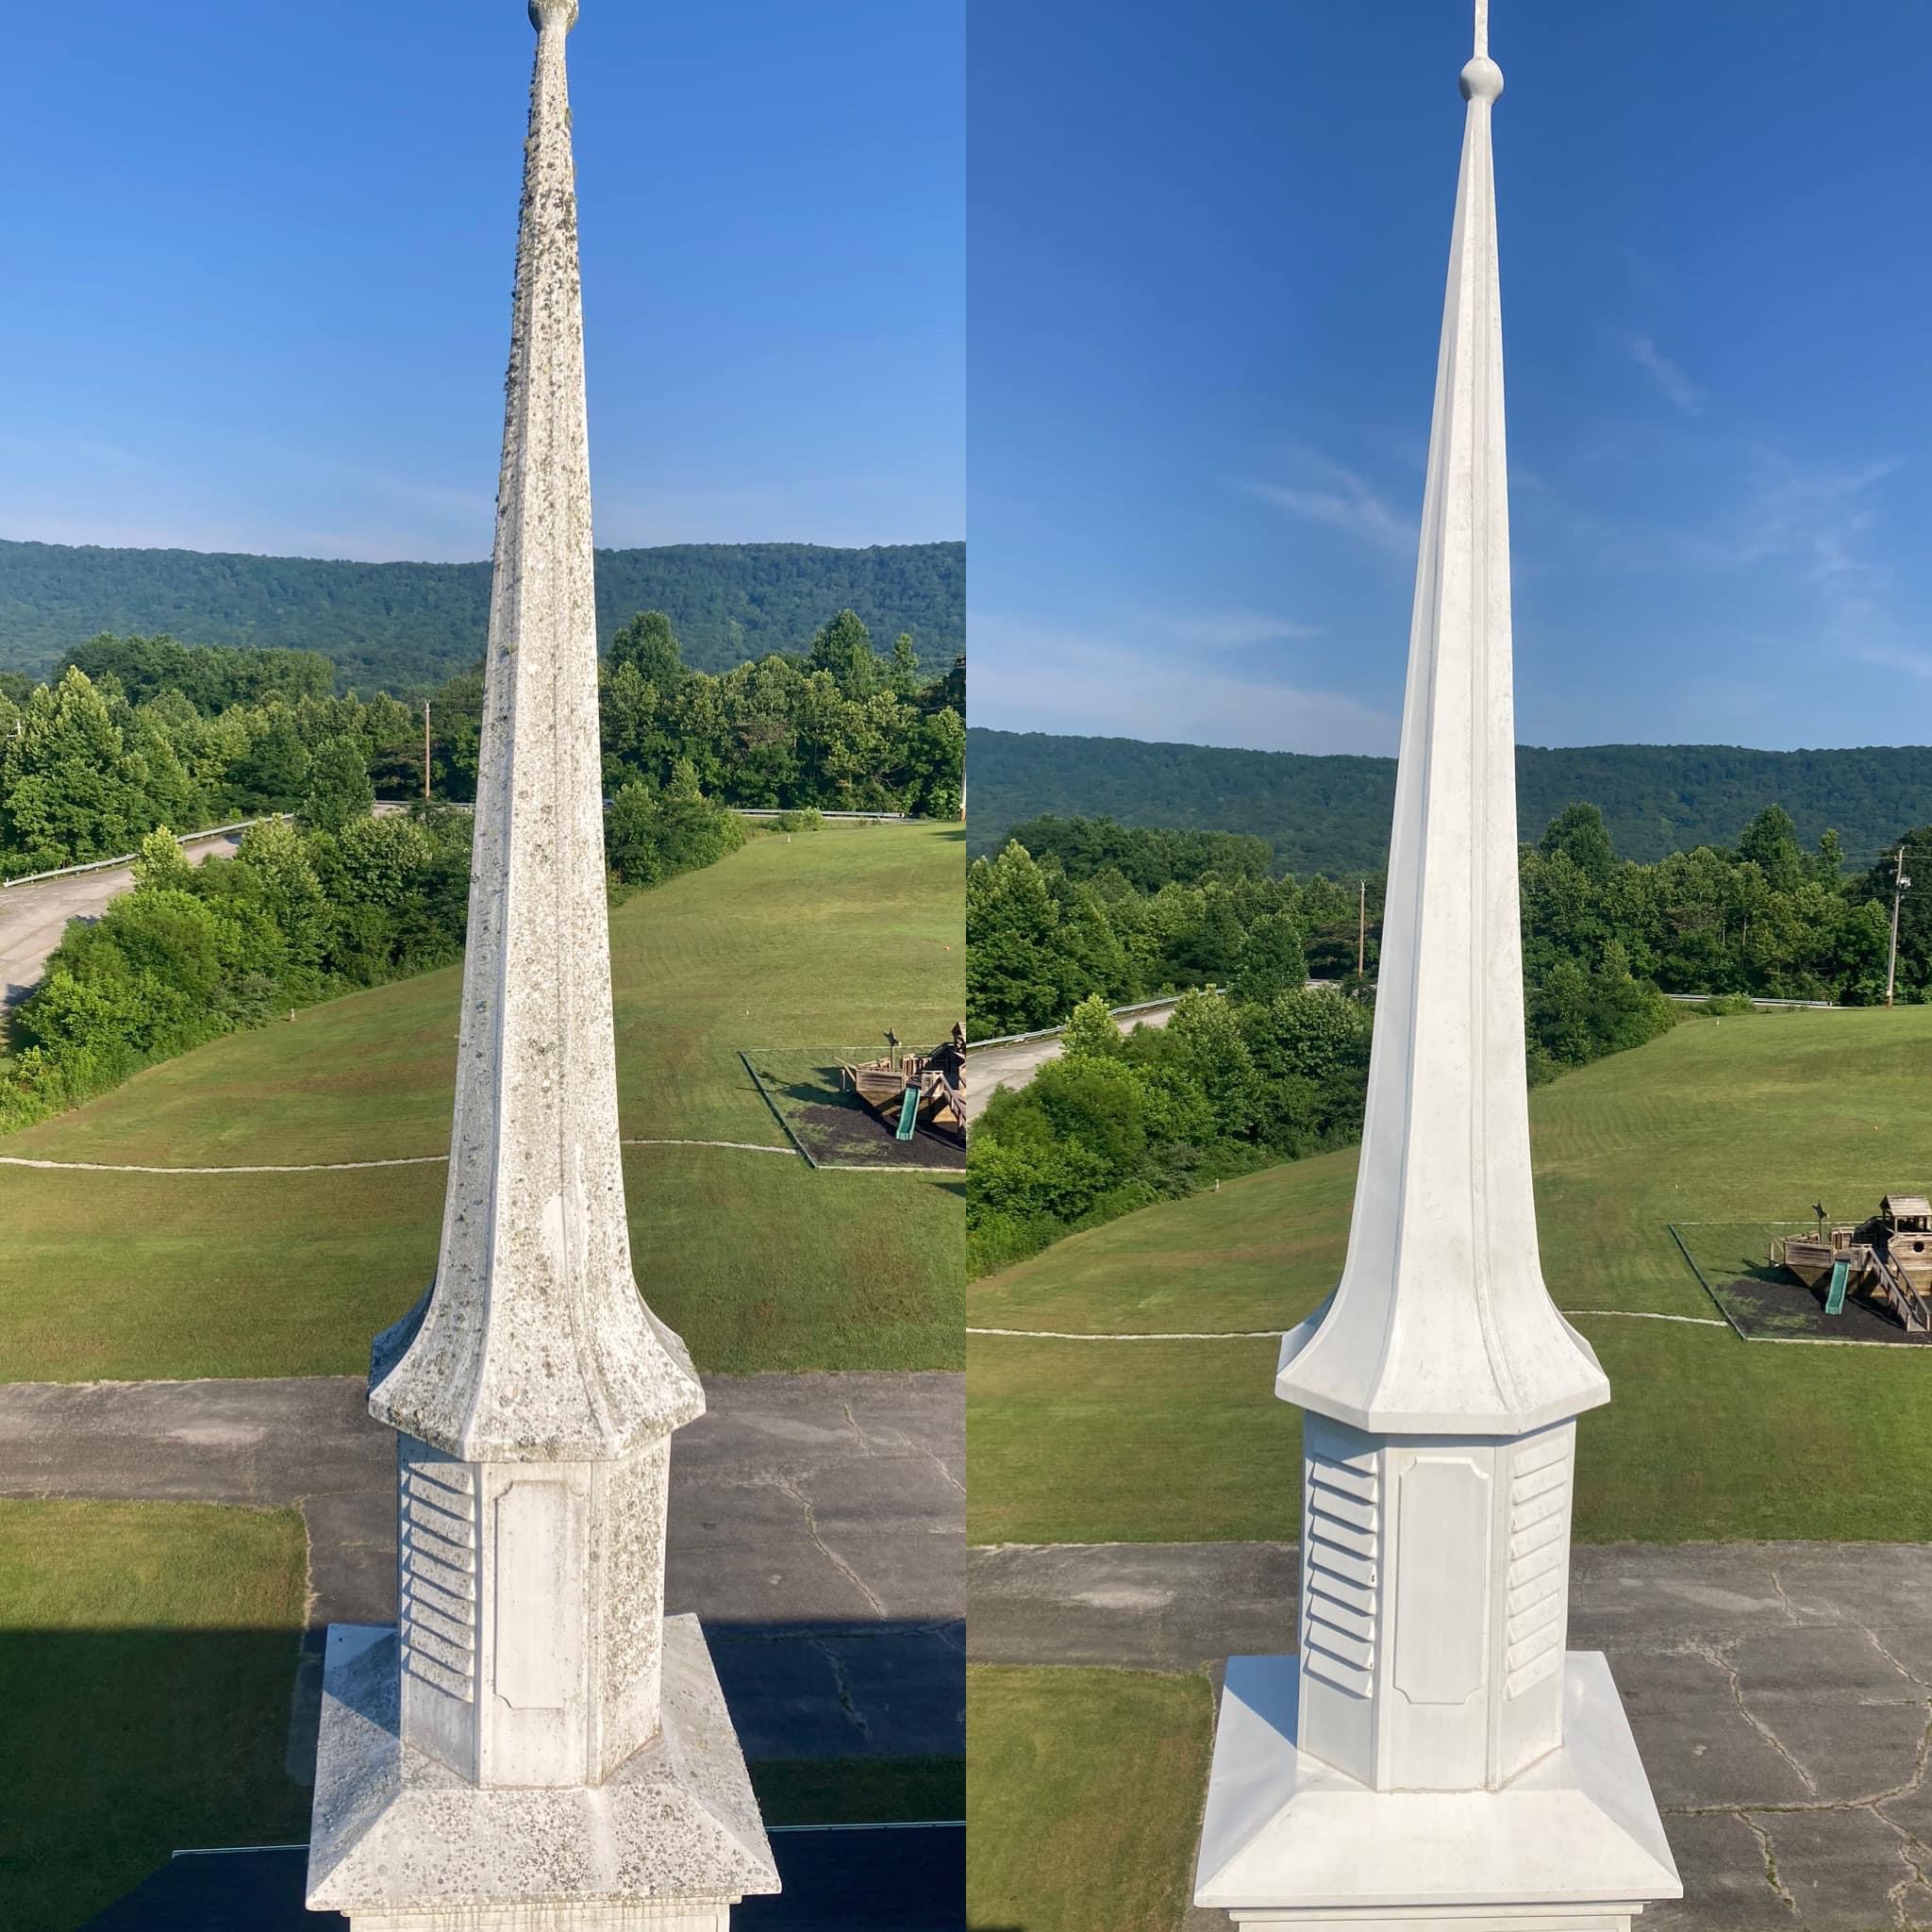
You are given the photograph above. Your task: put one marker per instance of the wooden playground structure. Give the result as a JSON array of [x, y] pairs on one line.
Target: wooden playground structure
[[909, 1091], [1886, 1257]]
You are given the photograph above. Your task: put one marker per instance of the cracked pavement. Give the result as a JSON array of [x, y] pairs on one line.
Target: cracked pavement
[[817, 1528], [1781, 1695]]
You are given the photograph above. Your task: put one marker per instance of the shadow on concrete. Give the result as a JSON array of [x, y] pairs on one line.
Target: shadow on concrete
[[857, 1878], [122, 1745], [794, 1690]]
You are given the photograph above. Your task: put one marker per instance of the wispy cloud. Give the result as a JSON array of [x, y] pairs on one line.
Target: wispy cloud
[[1811, 515], [1895, 658], [1033, 674], [1226, 631], [1672, 384], [1810, 532], [1328, 493]]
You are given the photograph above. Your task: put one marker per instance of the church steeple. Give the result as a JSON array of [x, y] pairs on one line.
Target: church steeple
[[1431, 1753], [535, 1740], [1442, 1320]]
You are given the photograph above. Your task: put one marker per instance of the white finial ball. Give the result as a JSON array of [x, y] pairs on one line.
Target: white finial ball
[[1482, 80], [539, 8]]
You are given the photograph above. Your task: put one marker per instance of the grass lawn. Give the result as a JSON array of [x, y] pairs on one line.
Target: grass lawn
[[827, 939], [1747, 1121], [1084, 1794], [147, 1653]]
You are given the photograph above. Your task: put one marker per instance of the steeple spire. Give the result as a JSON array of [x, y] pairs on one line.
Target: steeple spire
[[1431, 1754], [533, 1343], [1442, 1320]]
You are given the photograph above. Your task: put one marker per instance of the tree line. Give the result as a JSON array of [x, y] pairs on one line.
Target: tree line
[[92, 762], [1270, 1068], [138, 739], [406, 628], [134, 733], [1331, 813], [1132, 912]]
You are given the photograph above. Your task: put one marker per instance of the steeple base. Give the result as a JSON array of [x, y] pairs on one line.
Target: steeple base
[[669, 1842], [1572, 1844]]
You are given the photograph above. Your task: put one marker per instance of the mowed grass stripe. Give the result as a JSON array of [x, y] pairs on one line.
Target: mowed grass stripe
[[1084, 1791], [1705, 1436], [759, 1262]]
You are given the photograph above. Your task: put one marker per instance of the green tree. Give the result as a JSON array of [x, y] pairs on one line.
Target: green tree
[[648, 645], [1206, 1030], [69, 789], [162, 866], [337, 789], [1091, 1032], [845, 649], [1014, 978], [1270, 960], [1915, 908], [903, 675], [273, 774], [1580, 833], [1770, 841]]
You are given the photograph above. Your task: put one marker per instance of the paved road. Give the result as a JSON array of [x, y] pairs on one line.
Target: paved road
[[992, 1068], [32, 918], [1781, 1695], [816, 1525]]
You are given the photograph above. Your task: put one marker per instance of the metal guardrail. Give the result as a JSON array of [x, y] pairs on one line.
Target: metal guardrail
[[68, 872], [787, 812], [1698, 999]]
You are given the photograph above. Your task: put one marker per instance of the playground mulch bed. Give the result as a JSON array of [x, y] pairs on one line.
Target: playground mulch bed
[[828, 1121], [1767, 1308], [853, 1136]]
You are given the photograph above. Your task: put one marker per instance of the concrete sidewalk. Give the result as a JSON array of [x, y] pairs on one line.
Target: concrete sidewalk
[[1781, 1695], [817, 1524]]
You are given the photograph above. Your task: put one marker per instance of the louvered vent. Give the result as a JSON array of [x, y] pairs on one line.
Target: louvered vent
[[1538, 1559], [1340, 1517], [439, 1576]]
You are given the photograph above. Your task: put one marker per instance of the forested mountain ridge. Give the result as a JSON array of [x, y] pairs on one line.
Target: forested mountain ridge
[[1331, 814], [404, 627]]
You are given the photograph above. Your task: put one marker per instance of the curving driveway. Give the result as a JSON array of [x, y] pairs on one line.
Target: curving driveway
[[32, 918], [990, 1068]]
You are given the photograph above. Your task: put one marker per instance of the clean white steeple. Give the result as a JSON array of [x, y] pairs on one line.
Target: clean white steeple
[[1442, 1321], [1431, 1753]]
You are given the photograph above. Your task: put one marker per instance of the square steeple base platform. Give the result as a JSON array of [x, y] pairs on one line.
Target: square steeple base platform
[[401, 1844], [1573, 1844]]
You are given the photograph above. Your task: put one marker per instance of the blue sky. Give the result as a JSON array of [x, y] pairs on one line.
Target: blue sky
[[258, 260], [1208, 247]]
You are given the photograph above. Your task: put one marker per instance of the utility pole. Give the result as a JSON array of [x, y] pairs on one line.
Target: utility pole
[[426, 751], [1898, 893], [1361, 932]]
